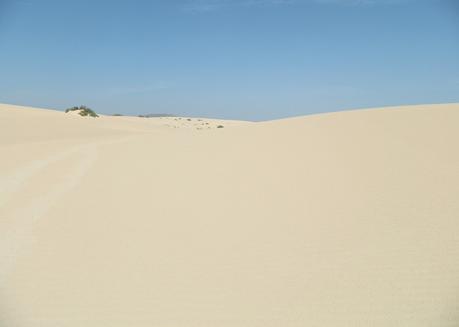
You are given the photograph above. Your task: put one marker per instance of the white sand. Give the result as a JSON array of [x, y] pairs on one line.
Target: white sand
[[342, 219]]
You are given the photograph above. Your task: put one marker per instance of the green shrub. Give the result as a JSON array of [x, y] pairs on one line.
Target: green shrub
[[84, 111], [220, 126]]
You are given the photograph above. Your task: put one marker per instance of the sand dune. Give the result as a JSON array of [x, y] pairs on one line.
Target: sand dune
[[340, 219]]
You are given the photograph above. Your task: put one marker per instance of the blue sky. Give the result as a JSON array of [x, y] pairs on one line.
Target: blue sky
[[238, 59]]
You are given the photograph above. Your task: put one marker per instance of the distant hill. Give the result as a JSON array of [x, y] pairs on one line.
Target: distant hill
[[155, 115]]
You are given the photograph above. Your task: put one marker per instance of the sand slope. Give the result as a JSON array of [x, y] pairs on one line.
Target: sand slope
[[341, 219]]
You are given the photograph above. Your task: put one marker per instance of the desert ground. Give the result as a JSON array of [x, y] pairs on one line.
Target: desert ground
[[340, 219]]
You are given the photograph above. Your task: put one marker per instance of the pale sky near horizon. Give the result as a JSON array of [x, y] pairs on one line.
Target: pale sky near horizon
[[237, 59]]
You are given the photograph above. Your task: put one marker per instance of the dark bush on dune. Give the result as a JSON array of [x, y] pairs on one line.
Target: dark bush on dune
[[84, 111]]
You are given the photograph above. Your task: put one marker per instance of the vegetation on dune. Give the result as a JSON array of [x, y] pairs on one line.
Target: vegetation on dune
[[220, 126], [83, 111]]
